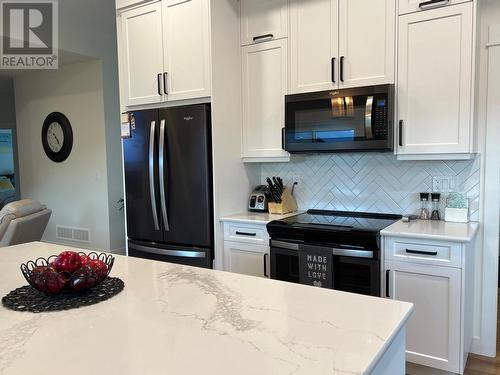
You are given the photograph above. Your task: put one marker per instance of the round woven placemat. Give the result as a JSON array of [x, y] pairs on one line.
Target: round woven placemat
[[27, 298]]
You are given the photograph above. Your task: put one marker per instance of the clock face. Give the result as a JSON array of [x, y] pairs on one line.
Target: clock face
[[55, 137]]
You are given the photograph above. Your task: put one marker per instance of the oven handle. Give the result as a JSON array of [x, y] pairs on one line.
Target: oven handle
[[353, 253]]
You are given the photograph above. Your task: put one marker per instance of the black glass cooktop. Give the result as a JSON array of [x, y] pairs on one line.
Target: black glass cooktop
[[330, 228], [342, 220]]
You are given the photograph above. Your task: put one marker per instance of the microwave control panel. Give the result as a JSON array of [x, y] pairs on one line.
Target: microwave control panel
[[380, 120]]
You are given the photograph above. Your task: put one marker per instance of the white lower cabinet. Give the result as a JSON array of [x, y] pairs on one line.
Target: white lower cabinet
[[248, 259], [439, 331], [246, 248]]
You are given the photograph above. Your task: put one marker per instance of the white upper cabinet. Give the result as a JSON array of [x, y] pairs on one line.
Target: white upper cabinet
[[165, 52], [186, 34], [435, 81], [264, 81], [263, 20], [341, 43], [367, 42], [313, 45], [142, 55], [410, 6]]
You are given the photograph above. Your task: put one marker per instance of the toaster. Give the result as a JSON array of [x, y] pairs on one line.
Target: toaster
[[258, 201]]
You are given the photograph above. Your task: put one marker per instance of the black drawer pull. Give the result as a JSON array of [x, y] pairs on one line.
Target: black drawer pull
[[431, 3], [432, 253], [387, 288], [246, 234], [265, 36]]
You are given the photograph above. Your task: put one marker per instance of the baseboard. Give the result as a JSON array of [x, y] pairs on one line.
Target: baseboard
[[476, 347]]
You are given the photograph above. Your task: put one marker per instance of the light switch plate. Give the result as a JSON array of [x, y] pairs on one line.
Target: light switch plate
[[443, 184]]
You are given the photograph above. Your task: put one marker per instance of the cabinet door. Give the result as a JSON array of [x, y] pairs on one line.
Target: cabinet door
[[434, 81], [367, 42], [142, 55], [313, 45], [246, 259], [187, 48], [263, 20], [264, 76], [410, 6], [433, 331]]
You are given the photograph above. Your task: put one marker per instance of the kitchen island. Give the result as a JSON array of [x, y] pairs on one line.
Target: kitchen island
[[175, 320]]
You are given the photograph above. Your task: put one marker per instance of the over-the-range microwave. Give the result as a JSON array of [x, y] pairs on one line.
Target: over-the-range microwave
[[357, 119]]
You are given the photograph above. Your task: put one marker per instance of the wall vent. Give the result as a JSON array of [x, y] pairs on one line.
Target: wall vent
[[73, 234]]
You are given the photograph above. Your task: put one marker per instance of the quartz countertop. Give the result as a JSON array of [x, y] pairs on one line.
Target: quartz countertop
[[434, 230], [257, 217], [173, 319]]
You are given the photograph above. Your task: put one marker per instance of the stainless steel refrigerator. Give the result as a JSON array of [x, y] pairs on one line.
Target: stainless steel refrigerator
[[168, 182]]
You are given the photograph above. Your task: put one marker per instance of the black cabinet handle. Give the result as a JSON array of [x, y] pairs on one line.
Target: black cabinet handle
[[342, 68], [401, 133], [265, 265], [158, 81], [431, 253], [431, 3], [387, 276], [265, 36], [165, 83], [333, 69], [246, 234]]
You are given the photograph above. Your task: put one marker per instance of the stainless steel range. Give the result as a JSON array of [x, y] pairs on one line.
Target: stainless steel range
[[329, 249]]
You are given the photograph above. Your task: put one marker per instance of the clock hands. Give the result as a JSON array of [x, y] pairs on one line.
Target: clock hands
[[57, 139]]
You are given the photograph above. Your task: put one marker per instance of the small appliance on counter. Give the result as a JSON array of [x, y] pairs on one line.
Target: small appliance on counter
[[258, 201]]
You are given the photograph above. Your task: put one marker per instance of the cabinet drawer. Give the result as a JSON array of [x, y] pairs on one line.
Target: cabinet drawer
[[425, 252], [249, 233], [410, 6]]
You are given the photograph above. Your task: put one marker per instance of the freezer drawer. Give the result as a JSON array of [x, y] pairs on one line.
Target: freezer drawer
[[190, 256]]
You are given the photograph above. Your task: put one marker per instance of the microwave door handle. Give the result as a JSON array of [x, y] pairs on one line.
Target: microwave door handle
[[368, 117]]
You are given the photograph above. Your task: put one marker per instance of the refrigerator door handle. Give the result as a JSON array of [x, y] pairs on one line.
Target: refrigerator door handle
[[162, 165], [169, 252], [152, 192]]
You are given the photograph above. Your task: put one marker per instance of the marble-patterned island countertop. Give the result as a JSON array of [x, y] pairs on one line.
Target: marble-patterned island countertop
[[433, 230], [180, 320]]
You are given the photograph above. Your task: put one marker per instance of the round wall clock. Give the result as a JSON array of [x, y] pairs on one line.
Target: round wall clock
[[57, 137]]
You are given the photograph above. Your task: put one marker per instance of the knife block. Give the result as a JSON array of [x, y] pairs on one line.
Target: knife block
[[288, 204]]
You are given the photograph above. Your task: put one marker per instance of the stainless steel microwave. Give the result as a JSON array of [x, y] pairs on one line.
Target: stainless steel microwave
[[357, 119]]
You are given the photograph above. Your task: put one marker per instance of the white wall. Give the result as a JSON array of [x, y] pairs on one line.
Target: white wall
[[487, 258], [75, 190], [233, 180], [89, 28]]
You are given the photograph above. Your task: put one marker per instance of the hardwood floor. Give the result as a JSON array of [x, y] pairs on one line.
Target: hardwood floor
[[477, 365]]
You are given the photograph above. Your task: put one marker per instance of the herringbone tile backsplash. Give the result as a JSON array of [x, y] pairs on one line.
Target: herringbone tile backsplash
[[372, 182]]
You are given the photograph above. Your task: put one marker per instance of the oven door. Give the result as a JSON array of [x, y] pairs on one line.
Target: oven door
[[353, 270], [350, 119]]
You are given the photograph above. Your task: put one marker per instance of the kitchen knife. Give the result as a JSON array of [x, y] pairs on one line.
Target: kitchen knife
[[277, 185]]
